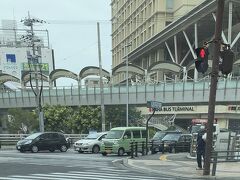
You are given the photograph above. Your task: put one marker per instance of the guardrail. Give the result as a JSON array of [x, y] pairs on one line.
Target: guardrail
[[12, 139]]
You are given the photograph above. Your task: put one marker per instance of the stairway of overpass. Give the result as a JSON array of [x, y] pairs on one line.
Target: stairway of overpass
[[164, 122], [181, 92]]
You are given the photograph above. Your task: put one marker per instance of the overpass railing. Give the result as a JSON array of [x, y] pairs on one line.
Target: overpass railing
[[228, 90]]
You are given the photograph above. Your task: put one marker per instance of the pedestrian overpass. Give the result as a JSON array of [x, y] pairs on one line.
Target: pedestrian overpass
[[169, 93]]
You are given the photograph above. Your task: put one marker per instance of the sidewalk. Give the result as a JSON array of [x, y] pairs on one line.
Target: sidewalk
[[179, 165]]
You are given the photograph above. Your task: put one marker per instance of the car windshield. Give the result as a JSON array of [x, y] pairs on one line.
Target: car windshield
[[196, 128], [171, 137], [33, 136], [92, 136], [114, 134], [159, 135]]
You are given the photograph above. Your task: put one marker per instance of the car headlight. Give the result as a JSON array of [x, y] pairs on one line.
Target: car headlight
[[28, 142]]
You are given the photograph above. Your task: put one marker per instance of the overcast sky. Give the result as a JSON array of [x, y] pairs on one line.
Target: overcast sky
[[72, 26]]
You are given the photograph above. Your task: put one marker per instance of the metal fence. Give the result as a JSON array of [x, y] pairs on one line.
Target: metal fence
[[219, 157]]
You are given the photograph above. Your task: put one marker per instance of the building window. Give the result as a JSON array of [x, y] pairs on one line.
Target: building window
[[169, 4]]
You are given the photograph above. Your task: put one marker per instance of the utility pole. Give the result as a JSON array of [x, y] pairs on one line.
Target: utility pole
[[213, 88], [31, 40], [101, 80]]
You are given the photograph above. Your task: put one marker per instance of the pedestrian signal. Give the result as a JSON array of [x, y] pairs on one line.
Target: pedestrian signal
[[201, 63]]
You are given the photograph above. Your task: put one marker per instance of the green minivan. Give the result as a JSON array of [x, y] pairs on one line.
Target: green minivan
[[118, 140]]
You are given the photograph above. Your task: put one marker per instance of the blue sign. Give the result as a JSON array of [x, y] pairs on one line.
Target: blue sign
[[11, 58]]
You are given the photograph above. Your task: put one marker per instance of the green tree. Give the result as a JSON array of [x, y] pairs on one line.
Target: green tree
[[18, 118], [58, 118], [116, 115], [86, 118]]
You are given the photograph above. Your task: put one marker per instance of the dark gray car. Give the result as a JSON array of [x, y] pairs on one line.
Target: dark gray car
[[43, 141], [156, 141]]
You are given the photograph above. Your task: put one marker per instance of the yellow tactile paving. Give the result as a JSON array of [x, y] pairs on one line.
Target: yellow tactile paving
[[163, 157]]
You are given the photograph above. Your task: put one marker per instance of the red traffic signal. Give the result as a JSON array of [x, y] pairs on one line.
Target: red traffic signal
[[202, 52], [201, 63]]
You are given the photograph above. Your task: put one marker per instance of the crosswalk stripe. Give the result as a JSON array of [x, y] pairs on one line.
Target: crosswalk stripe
[[112, 176], [73, 175], [36, 177]]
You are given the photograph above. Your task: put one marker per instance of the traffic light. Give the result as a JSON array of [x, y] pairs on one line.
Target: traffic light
[[201, 63], [226, 65]]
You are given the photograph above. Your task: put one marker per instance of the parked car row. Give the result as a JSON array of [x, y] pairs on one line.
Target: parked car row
[[171, 141], [116, 141]]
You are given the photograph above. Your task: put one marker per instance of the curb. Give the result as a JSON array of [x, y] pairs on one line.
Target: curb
[[117, 161], [129, 164]]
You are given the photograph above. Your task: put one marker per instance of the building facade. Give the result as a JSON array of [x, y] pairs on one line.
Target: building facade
[[136, 22], [163, 35], [94, 82], [15, 54]]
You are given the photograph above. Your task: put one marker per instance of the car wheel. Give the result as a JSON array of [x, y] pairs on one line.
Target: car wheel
[[120, 152], [129, 153], [95, 149], [63, 148], [154, 151], [51, 149], [104, 153], [34, 149], [173, 150]]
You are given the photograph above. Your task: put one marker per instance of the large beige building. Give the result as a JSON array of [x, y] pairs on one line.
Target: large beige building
[[136, 21]]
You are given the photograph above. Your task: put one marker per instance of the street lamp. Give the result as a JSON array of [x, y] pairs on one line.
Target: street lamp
[[101, 80], [126, 54]]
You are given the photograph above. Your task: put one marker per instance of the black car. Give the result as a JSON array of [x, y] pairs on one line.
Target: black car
[[174, 143], [156, 141], [43, 141]]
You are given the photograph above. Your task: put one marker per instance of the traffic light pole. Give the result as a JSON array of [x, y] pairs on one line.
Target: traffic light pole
[[213, 88]]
